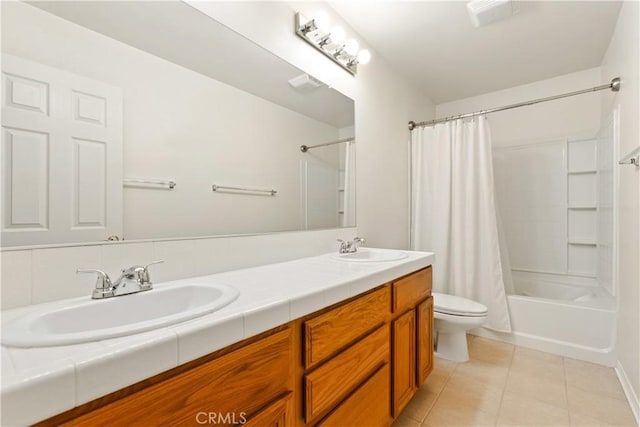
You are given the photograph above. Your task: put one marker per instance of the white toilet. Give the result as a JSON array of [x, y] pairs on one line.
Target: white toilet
[[454, 316]]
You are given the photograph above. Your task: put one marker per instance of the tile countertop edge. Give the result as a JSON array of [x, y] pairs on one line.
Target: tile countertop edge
[[219, 330]]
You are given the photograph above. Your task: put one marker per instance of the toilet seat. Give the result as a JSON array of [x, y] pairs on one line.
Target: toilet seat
[[457, 306]]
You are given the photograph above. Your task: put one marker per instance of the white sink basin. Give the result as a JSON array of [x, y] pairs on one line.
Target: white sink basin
[[371, 255], [84, 320]]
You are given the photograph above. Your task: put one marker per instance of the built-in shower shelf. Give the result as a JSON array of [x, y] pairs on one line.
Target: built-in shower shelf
[[582, 242], [578, 206], [582, 172]]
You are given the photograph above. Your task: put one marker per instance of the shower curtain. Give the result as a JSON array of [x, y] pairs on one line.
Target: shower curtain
[[349, 217], [454, 213]]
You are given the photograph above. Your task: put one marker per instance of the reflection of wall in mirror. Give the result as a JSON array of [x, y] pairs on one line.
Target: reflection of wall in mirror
[[347, 214], [323, 175], [181, 125]]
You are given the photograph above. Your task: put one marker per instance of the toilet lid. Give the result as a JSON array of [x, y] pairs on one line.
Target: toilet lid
[[457, 306]]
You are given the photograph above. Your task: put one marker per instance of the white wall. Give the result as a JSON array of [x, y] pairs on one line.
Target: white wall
[[183, 126], [385, 102], [569, 117], [623, 59]]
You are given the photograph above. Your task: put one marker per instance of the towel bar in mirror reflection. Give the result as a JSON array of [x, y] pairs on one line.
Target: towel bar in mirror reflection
[[243, 190]]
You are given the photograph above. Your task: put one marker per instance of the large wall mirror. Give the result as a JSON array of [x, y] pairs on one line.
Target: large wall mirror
[[150, 120]]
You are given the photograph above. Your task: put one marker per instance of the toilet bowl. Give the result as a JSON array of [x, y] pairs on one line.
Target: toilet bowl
[[454, 316]]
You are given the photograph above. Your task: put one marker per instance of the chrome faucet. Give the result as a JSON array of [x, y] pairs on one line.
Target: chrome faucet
[[132, 280], [350, 246]]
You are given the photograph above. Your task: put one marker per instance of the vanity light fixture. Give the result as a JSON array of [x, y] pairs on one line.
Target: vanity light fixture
[[331, 42]]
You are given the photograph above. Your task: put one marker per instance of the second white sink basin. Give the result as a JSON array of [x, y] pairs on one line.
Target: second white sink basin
[[83, 320], [371, 255]]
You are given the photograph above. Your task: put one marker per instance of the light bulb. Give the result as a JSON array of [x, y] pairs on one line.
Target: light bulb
[[364, 56], [351, 46], [322, 21], [338, 35]]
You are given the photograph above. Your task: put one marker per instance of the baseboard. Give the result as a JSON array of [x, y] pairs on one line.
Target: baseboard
[[632, 397]]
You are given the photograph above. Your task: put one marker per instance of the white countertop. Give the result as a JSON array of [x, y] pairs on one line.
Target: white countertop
[[38, 383]]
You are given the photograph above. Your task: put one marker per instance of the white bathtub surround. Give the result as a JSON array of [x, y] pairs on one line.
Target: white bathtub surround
[[454, 212], [576, 320], [40, 382]]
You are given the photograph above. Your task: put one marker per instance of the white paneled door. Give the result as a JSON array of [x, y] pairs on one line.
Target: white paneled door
[[61, 156]]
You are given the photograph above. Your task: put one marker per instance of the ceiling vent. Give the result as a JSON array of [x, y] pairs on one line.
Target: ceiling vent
[[305, 82], [484, 12]]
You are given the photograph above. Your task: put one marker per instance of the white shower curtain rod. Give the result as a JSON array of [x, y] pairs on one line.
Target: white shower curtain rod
[[305, 148], [614, 86]]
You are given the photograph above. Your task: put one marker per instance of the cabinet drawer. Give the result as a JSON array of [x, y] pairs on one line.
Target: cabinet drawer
[[332, 381], [239, 382], [409, 290], [368, 406], [327, 333]]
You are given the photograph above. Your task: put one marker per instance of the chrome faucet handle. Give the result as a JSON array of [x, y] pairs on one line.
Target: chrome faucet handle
[[353, 245], [146, 279], [103, 284], [139, 273], [344, 246]]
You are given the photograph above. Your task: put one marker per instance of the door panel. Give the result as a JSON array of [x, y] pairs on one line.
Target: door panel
[[61, 155], [404, 360], [425, 340]]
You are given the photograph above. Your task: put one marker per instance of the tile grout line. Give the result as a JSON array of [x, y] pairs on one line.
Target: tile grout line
[[504, 386], [439, 394]]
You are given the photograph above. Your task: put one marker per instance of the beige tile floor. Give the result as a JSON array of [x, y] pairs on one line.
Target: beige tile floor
[[505, 385]]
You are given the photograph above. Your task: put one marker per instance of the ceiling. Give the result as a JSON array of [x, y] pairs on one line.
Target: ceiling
[[434, 44], [177, 32]]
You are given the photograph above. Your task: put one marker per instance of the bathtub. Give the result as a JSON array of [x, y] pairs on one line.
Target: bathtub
[[571, 320]]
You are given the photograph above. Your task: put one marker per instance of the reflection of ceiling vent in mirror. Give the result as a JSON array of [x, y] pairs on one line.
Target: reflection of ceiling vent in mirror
[[305, 82], [484, 12]]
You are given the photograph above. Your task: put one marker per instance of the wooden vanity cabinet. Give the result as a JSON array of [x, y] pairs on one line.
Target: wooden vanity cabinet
[[358, 362], [412, 337]]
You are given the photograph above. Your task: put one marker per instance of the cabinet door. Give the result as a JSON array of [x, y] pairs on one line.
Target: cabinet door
[[278, 414], [425, 339], [404, 360]]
